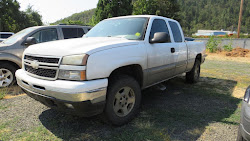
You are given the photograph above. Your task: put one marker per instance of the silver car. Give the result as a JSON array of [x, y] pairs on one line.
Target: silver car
[[244, 129], [11, 49], [5, 35]]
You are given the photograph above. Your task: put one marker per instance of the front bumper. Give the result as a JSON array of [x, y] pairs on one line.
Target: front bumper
[[85, 98], [74, 91], [84, 108], [244, 133], [203, 58], [245, 121]]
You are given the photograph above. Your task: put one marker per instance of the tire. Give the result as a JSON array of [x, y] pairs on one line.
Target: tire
[[7, 75], [194, 75], [239, 136], [123, 100]]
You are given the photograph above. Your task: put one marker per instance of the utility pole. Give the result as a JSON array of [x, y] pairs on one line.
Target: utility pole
[[240, 18]]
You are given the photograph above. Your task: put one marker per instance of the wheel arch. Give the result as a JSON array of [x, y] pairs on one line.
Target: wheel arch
[[133, 70], [198, 57], [11, 63]]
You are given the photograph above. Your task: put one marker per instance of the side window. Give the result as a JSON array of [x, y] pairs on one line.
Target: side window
[[80, 32], [72, 32], [45, 35], [159, 26], [5, 36], [176, 31]]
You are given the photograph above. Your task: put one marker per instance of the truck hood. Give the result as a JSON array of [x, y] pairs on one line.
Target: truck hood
[[88, 45]]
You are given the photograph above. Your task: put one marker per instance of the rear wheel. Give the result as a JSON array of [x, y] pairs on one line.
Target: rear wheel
[[194, 75], [123, 100], [7, 75]]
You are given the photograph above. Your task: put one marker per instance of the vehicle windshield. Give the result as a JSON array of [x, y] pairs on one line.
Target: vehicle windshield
[[17, 36], [129, 28]]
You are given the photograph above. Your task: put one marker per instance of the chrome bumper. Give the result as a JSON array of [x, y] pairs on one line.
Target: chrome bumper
[[74, 91]]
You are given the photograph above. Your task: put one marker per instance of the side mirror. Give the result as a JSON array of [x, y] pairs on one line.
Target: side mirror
[[30, 41], [160, 37]]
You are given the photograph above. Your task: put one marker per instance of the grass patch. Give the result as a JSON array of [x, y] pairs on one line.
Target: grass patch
[[3, 92], [5, 130], [39, 133], [3, 107]]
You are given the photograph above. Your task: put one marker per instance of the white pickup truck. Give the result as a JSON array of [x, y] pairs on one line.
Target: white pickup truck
[[105, 71]]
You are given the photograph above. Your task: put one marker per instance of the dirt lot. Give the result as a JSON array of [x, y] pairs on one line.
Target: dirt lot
[[208, 110]]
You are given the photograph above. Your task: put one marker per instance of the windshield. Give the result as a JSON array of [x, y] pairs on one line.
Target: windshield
[[17, 36], [129, 28]]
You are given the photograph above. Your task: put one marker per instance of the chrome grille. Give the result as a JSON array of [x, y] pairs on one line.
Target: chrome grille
[[42, 59], [41, 72], [42, 67]]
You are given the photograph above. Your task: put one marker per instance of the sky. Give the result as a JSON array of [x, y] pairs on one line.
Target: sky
[[53, 10]]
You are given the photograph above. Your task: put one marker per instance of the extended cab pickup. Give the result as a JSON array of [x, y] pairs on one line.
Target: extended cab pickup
[[106, 70]]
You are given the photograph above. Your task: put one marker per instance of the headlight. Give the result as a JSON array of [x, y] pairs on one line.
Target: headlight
[[247, 95], [72, 75], [75, 60]]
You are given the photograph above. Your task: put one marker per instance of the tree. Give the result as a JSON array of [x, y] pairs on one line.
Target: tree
[[33, 17], [112, 8], [9, 12], [14, 20], [166, 8]]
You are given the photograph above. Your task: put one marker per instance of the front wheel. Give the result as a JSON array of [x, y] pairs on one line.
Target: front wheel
[[7, 75], [123, 100], [194, 75]]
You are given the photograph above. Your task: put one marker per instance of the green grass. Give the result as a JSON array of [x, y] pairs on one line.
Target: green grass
[[3, 92], [181, 112], [6, 129], [3, 107], [39, 133]]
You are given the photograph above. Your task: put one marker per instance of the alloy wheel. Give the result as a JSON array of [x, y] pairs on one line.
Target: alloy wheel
[[124, 101], [6, 77]]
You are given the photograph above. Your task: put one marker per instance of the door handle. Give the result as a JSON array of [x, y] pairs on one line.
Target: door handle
[[172, 50]]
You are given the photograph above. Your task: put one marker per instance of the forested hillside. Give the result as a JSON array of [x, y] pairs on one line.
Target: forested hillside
[[213, 14], [196, 14], [82, 18]]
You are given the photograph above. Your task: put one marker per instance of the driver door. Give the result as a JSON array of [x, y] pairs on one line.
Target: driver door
[[161, 56]]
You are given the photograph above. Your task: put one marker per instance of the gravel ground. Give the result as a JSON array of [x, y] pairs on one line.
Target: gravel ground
[[24, 109], [219, 132]]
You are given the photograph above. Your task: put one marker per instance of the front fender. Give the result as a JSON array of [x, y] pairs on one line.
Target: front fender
[[11, 58], [103, 63]]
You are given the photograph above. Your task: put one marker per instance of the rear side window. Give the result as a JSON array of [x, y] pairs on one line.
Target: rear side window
[[72, 32], [176, 31], [80, 32], [45, 35], [159, 26], [5, 36]]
